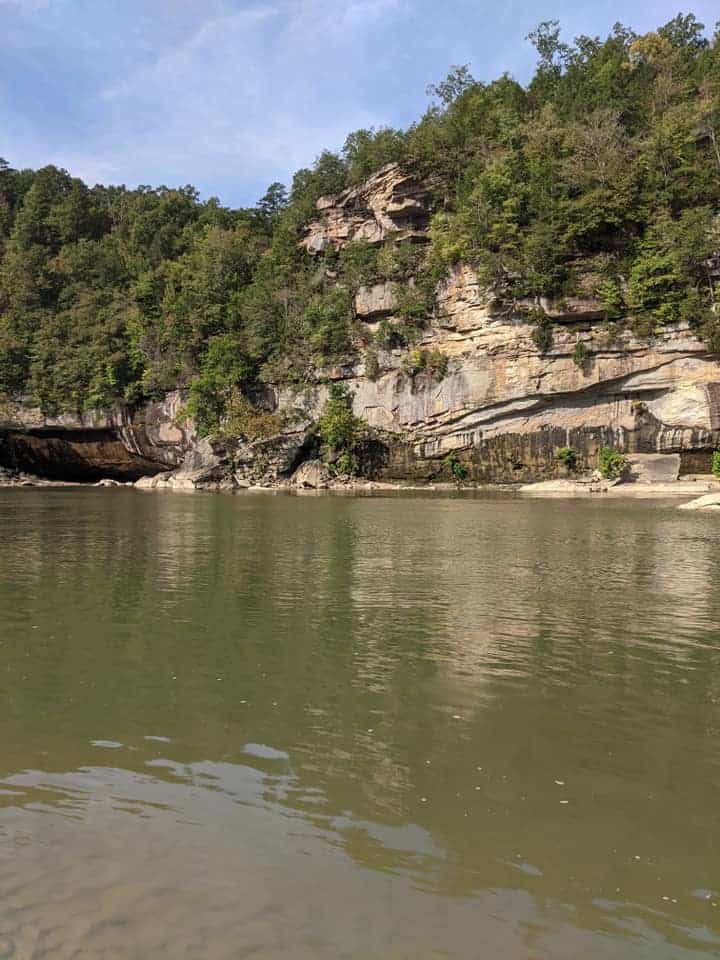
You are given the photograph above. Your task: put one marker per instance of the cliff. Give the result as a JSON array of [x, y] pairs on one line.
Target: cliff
[[495, 403], [502, 406]]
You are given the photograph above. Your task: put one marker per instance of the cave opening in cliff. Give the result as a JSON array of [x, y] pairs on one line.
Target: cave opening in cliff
[[77, 456]]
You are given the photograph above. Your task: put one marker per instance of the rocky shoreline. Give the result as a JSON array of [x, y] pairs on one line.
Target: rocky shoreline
[[313, 478], [12, 478]]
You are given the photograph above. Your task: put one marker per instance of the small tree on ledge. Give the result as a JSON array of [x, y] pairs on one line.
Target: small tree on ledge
[[340, 429]]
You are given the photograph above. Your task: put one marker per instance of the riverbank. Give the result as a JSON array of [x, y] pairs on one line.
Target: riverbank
[[702, 491], [692, 487], [10, 478]]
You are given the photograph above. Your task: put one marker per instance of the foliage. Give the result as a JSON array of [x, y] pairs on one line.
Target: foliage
[[217, 388], [432, 362], [328, 176], [366, 151], [455, 467], [669, 281], [611, 463], [243, 420], [326, 319], [580, 355], [611, 150], [398, 261], [542, 334], [610, 294], [340, 429], [372, 364], [5, 407], [272, 204], [359, 262], [392, 336], [716, 464], [567, 456]]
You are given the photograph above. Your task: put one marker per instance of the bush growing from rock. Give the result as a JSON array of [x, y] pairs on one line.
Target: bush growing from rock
[[455, 467], [372, 364], [542, 335], [716, 464], [580, 355], [340, 429], [567, 456], [611, 463], [432, 362]]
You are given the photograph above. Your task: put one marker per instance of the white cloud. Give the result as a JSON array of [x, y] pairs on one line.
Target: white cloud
[[247, 96]]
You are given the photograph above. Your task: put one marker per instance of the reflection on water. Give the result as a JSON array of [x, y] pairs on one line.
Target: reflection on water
[[369, 728]]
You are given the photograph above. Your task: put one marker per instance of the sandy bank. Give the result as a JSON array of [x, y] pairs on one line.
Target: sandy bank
[[609, 488]]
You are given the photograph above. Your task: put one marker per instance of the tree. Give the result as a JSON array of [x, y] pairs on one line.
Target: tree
[[274, 201], [458, 80]]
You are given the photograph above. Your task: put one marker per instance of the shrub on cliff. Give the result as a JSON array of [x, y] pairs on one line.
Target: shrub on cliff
[[214, 392], [716, 464], [581, 356], [611, 463], [454, 466], [340, 429], [327, 319], [542, 333], [359, 262], [432, 362], [567, 456]]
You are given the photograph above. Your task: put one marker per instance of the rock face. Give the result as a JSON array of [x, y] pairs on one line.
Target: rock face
[[654, 467], [392, 203], [119, 444], [504, 409], [498, 411], [376, 301]]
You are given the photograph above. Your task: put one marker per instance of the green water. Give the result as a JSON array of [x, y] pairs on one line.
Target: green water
[[327, 727]]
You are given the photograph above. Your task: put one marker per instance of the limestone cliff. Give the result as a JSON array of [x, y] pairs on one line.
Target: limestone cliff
[[504, 408], [501, 406]]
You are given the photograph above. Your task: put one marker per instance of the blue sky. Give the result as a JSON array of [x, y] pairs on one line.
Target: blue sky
[[230, 95]]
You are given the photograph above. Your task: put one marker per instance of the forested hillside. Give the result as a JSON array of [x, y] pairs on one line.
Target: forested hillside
[[601, 177]]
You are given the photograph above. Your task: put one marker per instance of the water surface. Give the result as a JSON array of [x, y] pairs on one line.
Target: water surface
[[331, 727]]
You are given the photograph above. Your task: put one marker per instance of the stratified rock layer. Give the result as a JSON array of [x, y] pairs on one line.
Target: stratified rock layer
[[392, 203], [121, 443], [504, 408]]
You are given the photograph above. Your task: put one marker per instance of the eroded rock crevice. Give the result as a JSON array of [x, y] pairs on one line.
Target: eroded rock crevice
[[121, 444], [74, 456]]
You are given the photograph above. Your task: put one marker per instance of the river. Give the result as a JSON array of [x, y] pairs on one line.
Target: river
[[300, 727]]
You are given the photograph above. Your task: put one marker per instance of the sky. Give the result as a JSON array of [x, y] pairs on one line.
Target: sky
[[231, 95]]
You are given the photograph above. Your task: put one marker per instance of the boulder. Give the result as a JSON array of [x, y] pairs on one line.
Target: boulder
[[654, 467], [159, 481], [375, 301], [311, 475], [711, 501], [391, 203]]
